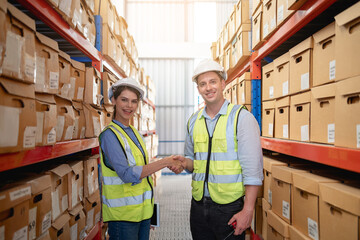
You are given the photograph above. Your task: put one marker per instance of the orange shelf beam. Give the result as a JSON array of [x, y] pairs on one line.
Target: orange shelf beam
[[344, 158]]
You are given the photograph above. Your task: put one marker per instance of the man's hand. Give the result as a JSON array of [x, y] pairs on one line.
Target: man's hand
[[243, 220], [175, 165]]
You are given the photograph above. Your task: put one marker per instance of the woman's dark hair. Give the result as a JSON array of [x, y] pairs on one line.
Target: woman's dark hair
[[118, 91]]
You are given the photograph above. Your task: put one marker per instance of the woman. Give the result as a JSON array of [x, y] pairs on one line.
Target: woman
[[127, 187]]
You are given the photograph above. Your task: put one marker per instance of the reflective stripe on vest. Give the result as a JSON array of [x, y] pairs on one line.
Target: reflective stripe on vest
[[225, 173], [124, 201]]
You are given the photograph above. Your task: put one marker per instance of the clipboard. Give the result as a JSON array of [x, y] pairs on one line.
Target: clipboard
[[155, 219]]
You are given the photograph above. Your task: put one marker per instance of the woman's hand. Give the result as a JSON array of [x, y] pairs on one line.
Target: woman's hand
[[175, 165]]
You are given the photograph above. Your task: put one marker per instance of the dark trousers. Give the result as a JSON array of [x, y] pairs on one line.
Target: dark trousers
[[209, 220]]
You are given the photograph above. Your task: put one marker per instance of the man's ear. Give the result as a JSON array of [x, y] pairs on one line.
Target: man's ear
[[223, 84]]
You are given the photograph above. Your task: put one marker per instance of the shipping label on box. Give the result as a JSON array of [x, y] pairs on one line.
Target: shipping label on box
[[300, 117], [18, 116], [77, 80], [46, 116], [65, 119]]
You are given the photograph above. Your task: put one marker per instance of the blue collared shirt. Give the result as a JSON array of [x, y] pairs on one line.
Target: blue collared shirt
[[114, 155], [249, 146]]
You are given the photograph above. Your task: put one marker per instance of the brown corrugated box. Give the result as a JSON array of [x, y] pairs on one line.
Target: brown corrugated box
[[269, 18], [268, 164], [324, 55], [77, 80], [268, 82], [282, 115], [75, 183], [323, 114], [282, 12], [105, 8], [265, 207], [281, 75], [93, 87], [277, 228], [19, 61], [108, 81], [243, 94], [295, 4], [92, 208], [300, 117], [296, 234], [64, 74], [79, 127], [255, 5], [257, 23], [65, 119], [47, 65], [306, 203], [347, 122], [18, 128], [91, 181], [77, 223], [268, 118], [109, 44], [339, 211], [93, 125], [243, 13], [232, 24], [347, 48], [301, 64], [108, 112], [120, 27], [241, 44], [59, 190], [60, 229], [46, 116], [234, 86]]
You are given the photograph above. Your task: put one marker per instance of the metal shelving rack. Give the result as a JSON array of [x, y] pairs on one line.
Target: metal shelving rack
[[343, 158]]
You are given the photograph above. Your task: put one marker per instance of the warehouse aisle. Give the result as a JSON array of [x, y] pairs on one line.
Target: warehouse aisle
[[173, 192]]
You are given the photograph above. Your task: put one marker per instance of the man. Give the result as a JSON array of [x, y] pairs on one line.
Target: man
[[223, 152]]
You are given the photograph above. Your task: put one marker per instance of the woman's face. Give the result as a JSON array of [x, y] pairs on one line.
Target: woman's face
[[126, 105]]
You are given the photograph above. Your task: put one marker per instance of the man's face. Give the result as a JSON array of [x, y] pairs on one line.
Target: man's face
[[210, 87]]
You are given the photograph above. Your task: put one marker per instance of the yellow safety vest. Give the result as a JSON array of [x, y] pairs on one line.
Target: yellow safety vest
[[216, 159], [124, 201]]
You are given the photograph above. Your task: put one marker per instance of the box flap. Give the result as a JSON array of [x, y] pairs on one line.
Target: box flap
[[296, 234], [309, 182], [258, 12], [77, 105], [245, 27], [77, 167], [78, 65], [325, 33], [268, 67], [93, 197], [47, 41], [245, 76], [301, 98], [269, 105], [13, 193], [123, 21], [269, 162], [61, 221], [265, 205], [26, 20], [111, 77], [18, 88], [43, 97], [62, 100], [282, 102], [64, 56], [341, 196], [61, 170], [285, 58], [325, 91], [278, 224], [348, 15], [39, 183], [348, 86], [109, 108], [284, 173], [76, 210], [301, 47]]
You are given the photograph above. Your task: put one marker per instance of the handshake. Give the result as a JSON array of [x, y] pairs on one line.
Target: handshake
[[176, 163]]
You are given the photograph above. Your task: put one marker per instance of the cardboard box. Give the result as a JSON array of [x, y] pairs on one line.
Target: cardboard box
[[227, 92], [93, 87], [3, 5], [108, 81], [77, 80], [281, 75], [77, 223], [295, 4], [265, 207], [258, 217], [120, 28], [268, 164], [89, 28], [75, 184], [228, 58], [323, 114], [300, 117], [296, 234], [282, 115], [268, 82], [70, 11], [268, 118], [339, 211], [90, 5], [257, 28], [324, 55], [108, 112], [64, 74], [306, 203], [282, 188], [106, 10], [282, 12], [347, 49], [92, 208], [93, 124], [59, 190], [3, 12], [46, 119], [241, 45], [18, 116], [347, 131], [269, 18], [225, 35], [14, 194], [244, 89], [40, 205], [255, 5], [243, 13], [277, 228], [65, 119], [301, 65], [19, 58], [60, 229], [45, 236], [79, 121], [234, 86], [47, 65], [232, 24], [91, 176]]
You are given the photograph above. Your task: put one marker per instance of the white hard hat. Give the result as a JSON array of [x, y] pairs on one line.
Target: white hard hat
[[130, 82], [208, 65]]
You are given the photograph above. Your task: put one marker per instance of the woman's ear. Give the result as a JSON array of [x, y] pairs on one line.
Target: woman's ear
[[113, 101]]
